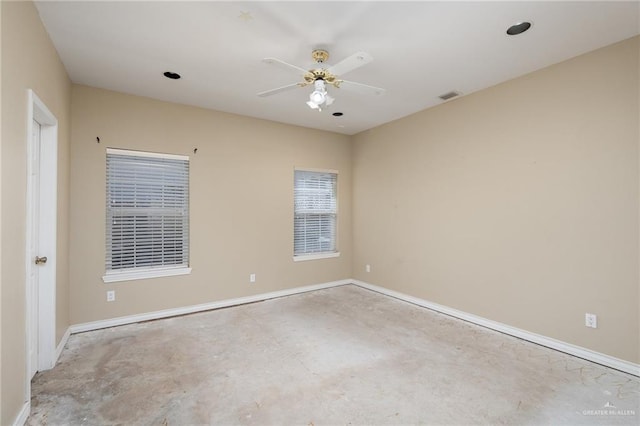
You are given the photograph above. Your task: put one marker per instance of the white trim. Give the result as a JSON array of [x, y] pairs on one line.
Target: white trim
[[578, 351], [141, 274], [23, 415], [311, 169], [48, 180], [29, 286], [130, 319], [40, 113], [304, 257], [116, 151], [63, 342]]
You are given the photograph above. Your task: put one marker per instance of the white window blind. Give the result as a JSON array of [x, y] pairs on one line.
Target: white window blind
[[315, 216], [147, 211]]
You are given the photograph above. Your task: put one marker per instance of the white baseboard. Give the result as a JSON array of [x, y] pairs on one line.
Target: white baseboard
[[130, 319], [61, 345], [578, 351], [21, 418]]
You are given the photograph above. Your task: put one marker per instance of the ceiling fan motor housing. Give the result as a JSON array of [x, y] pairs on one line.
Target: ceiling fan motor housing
[[320, 55], [321, 74]]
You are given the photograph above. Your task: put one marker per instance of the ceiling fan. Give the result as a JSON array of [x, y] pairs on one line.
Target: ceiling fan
[[320, 77]]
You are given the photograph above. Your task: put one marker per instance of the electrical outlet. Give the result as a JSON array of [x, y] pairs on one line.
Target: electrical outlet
[[111, 295], [367, 268], [591, 320], [252, 278]]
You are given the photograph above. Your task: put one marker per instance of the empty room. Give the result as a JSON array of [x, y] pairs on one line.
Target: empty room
[[320, 213]]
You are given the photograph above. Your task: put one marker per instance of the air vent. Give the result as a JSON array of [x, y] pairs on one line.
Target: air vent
[[449, 95]]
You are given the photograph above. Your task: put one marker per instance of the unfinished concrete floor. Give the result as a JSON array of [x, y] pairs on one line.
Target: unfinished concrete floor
[[339, 356]]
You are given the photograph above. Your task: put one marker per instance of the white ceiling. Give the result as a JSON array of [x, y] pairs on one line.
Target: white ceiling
[[420, 49]]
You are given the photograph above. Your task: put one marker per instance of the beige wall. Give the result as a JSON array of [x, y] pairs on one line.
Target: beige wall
[[29, 61], [518, 203], [241, 201]]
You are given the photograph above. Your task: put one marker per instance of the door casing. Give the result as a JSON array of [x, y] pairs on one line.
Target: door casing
[[45, 290]]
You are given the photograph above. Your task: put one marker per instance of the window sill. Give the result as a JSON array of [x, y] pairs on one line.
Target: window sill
[[113, 277], [315, 256]]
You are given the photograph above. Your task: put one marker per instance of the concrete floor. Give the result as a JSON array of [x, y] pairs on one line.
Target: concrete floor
[[339, 356]]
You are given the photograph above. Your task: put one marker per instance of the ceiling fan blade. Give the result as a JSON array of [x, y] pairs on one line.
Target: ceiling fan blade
[[278, 90], [363, 89], [285, 65], [354, 61]]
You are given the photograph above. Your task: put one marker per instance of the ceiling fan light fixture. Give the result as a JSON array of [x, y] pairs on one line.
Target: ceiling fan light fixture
[[320, 77], [328, 100], [317, 97]]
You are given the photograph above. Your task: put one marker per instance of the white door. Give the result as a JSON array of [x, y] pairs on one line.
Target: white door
[[33, 243], [40, 243]]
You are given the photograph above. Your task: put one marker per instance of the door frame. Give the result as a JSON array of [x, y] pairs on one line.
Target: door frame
[[46, 288]]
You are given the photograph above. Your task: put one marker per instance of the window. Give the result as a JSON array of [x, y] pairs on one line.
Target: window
[[147, 229], [315, 214]]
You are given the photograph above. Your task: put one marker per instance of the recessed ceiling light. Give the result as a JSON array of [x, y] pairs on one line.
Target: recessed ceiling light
[[172, 75], [337, 114], [519, 28]]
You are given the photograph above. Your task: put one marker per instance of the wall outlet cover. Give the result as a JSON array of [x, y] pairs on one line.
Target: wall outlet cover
[[591, 320]]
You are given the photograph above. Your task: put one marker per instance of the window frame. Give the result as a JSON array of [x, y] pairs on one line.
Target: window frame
[[154, 271], [326, 254]]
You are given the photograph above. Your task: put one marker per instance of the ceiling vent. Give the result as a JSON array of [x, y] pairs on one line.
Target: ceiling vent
[[449, 95]]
